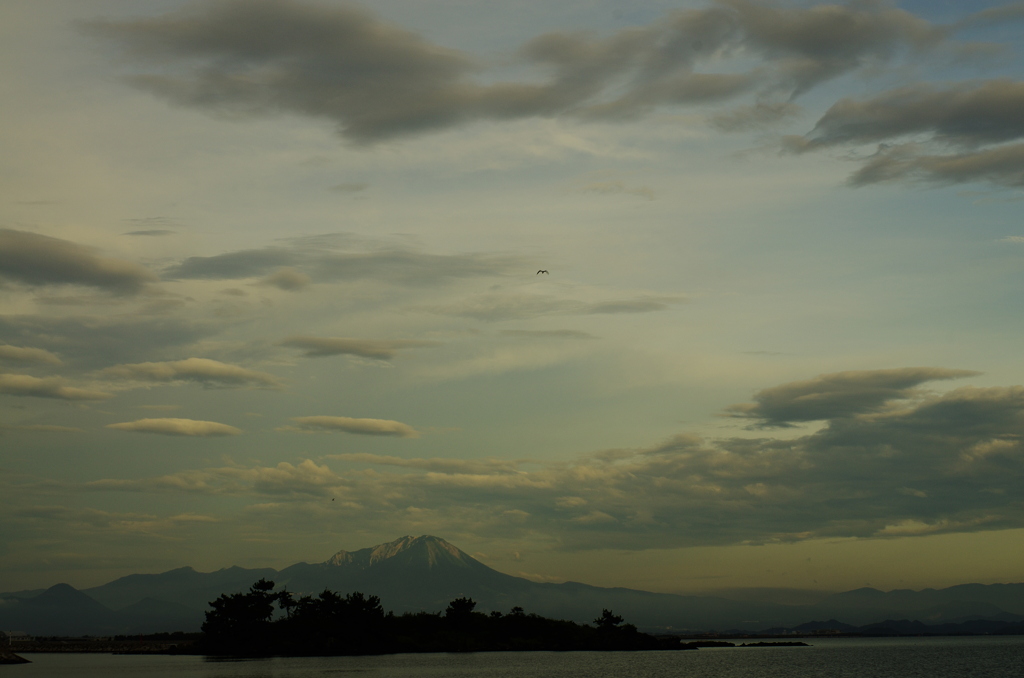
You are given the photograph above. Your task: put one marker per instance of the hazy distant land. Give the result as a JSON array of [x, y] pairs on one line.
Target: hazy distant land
[[424, 574]]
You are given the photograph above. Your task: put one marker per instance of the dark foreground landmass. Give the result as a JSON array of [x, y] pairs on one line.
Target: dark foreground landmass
[[244, 624]]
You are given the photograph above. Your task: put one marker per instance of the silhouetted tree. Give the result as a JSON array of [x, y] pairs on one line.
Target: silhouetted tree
[[329, 624], [608, 620], [241, 620], [460, 608]]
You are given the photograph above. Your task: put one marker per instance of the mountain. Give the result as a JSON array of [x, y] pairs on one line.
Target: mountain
[[426, 573], [184, 586], [409, 574], [60, 610]]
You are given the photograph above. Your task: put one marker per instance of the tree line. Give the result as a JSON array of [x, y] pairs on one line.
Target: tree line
[[262, 622]]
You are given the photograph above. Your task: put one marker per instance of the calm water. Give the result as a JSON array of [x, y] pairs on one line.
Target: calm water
[[981, 657]]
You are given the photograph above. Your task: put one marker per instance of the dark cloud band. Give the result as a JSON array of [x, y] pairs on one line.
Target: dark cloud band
[[35, 259], [375, 81]]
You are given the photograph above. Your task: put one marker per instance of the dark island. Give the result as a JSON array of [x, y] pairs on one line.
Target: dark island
[[263, 622]]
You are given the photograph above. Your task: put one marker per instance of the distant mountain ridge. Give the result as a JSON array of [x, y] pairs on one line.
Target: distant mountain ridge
[[425, 573]]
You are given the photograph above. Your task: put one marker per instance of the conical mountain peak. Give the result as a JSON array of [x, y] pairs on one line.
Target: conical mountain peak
[[425, 550]]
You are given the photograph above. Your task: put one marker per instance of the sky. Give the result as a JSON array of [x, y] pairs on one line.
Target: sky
[[270, 288]]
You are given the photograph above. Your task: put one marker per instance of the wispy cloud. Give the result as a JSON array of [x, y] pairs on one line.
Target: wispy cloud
[[376, 81], [370, 427], [151, 232], [40, 428], [379, 349], [917, 126], [498, 307], [50, 387], [28, 355], [287, 279], [201, 370], [838, 395], [324, 264], [98, 341], [548, 334], [618, 187], [350, 188], [178, 427]]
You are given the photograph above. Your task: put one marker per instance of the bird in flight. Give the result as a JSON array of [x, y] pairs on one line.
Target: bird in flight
[[543, 271]]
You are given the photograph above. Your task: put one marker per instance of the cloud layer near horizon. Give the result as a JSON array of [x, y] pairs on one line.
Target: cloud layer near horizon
[[937, 463]]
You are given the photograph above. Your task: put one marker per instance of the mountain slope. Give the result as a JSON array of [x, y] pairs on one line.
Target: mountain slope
[[183, 586], [60, 610]]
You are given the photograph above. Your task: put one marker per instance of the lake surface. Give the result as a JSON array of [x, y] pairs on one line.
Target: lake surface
[[974, 657]]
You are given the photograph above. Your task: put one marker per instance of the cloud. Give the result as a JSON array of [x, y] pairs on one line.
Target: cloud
[[37, 260], [28, 355], [376, 81], [759, 115], [378, 349], [548, 334], [96, 341], [824, 41], [153, 232], [350, 188], [233, 265], [997, 14], [614, 187], [936, 463], [1002, 165], [50, 387], [967, 113], [287, 279], [42, 428], [177, 427], [506, 357], [441, 465], [370, 427], [322, 265], [303, 479], [412, 268], [838, 395], [201, 370], [916, 126], [497, 307]]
